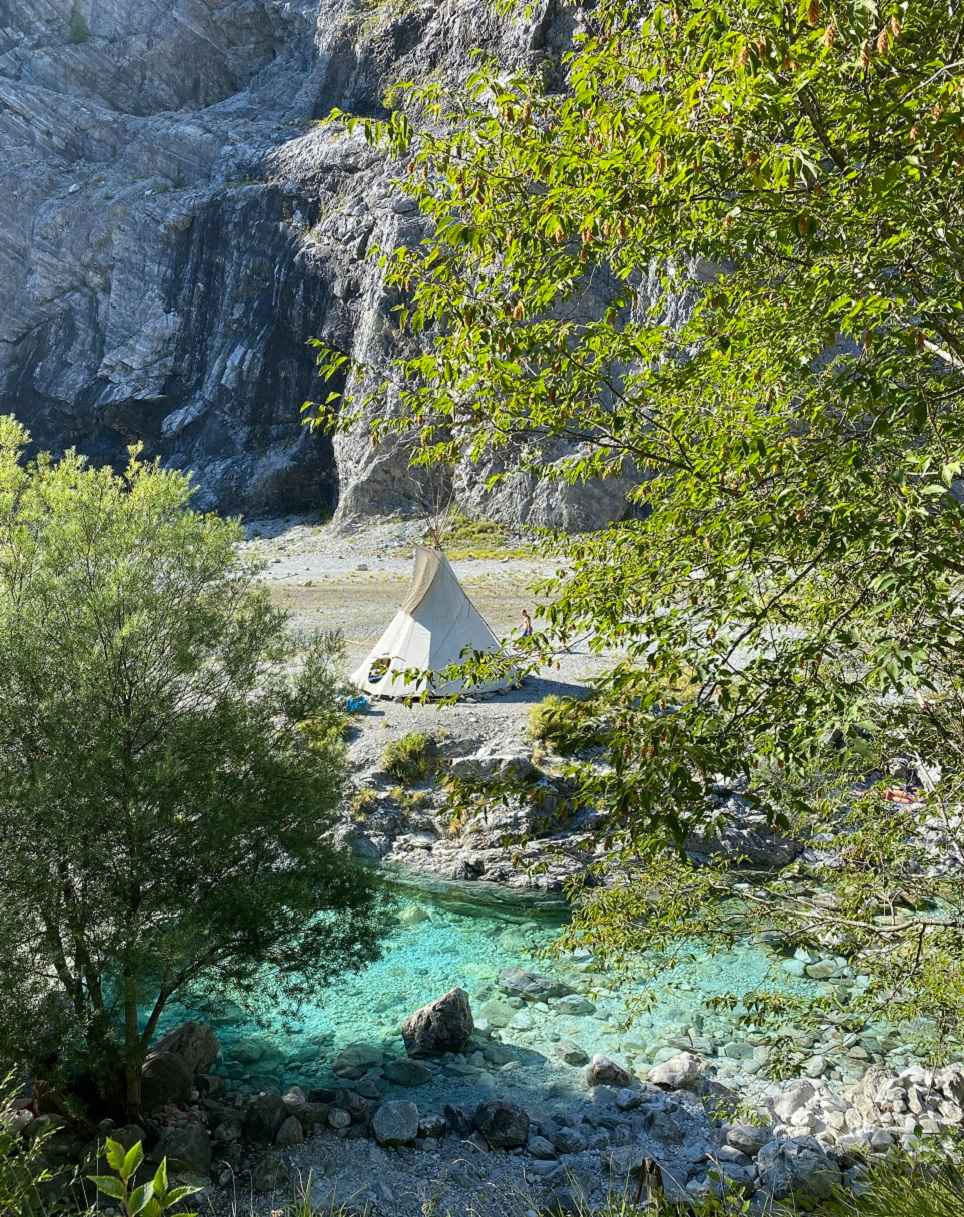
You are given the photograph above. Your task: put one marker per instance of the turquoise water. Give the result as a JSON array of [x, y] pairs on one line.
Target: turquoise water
[[442, 942]]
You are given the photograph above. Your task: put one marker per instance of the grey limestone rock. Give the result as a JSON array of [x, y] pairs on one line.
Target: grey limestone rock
[[503, 1125], [174, 228], [395, 1123], [444, 1025]]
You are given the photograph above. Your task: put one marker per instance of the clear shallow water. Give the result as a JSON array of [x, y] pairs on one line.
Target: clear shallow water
[[444, 942]]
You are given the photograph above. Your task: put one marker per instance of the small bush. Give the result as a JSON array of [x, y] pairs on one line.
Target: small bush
[[463, 538], [24, 1179], [566, 724], [409, 758], [901, 1190], [79, 31], [363, 802]]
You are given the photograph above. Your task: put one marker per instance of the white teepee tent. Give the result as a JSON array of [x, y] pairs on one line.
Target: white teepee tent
[[435, 627]]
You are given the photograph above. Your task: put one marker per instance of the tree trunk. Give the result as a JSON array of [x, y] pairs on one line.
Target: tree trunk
[[133, 1052]]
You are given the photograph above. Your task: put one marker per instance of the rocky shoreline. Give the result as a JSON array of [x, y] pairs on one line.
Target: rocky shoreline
[[678, 1127]]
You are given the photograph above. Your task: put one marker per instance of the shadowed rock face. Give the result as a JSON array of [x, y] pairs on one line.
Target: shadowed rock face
[[174, 227]]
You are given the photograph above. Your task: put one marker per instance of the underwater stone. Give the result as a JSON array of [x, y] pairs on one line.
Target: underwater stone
[[404, 1072], [248, 1052], [574, 1004], [531, 986], [497, 1012]]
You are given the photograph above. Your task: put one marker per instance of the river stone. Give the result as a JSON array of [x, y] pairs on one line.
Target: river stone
[[793, 1099], [800, 1168], [165, 1079], [432, 1125], [186, 1146], [574, 1004], [570, 1053], [539, 1147], [338, 1118], [404, 1072], [497, 1012], [263, 1117], [247, 1051], [603, 1071], [355, 1060], [504, 1125], [290, 1134], [678, 1073], [195, 1043], [309, 1115], [569, 1141], [395, 1123], [268, 1172], [749, 1139], [444, 1025], [530, 986]]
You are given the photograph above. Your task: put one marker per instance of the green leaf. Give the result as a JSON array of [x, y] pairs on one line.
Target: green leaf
[[132, 1160], [141, 1198], [114, 1152], [109, 1185], [160, 1178]]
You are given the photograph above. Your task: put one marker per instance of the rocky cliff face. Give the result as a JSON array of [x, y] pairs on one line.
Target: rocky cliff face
[[174, 227]]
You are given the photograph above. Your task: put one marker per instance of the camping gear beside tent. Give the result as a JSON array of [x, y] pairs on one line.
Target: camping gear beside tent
[[435, 628]]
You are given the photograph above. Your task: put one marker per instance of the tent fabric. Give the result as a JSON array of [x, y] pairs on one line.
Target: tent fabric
[[434, 627]]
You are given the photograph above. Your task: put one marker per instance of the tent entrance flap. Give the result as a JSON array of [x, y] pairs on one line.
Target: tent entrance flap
[[435, 627]]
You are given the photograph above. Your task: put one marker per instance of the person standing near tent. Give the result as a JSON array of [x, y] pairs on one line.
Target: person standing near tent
[[526, 624]]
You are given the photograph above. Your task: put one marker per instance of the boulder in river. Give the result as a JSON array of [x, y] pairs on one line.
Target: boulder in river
[[444, 1025]]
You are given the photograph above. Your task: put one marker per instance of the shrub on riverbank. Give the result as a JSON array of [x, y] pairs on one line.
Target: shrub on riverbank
[[167, 773], [566, 724], [409, 758]]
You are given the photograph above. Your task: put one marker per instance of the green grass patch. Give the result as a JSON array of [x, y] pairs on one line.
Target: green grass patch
[[410, 758], [79, 30], [566, 724], [464, 538]]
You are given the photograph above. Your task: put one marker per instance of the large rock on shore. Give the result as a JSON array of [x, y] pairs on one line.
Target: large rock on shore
[[165, 1079], [195, 1043], [800, 1168], [395, 1123], [504, 1125], [444, 1025]]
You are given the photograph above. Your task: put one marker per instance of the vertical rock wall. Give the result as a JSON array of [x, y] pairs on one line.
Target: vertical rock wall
[[174, 227]]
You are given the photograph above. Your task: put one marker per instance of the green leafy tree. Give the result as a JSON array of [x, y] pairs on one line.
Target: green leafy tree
[[727, 257], [166, 778]]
